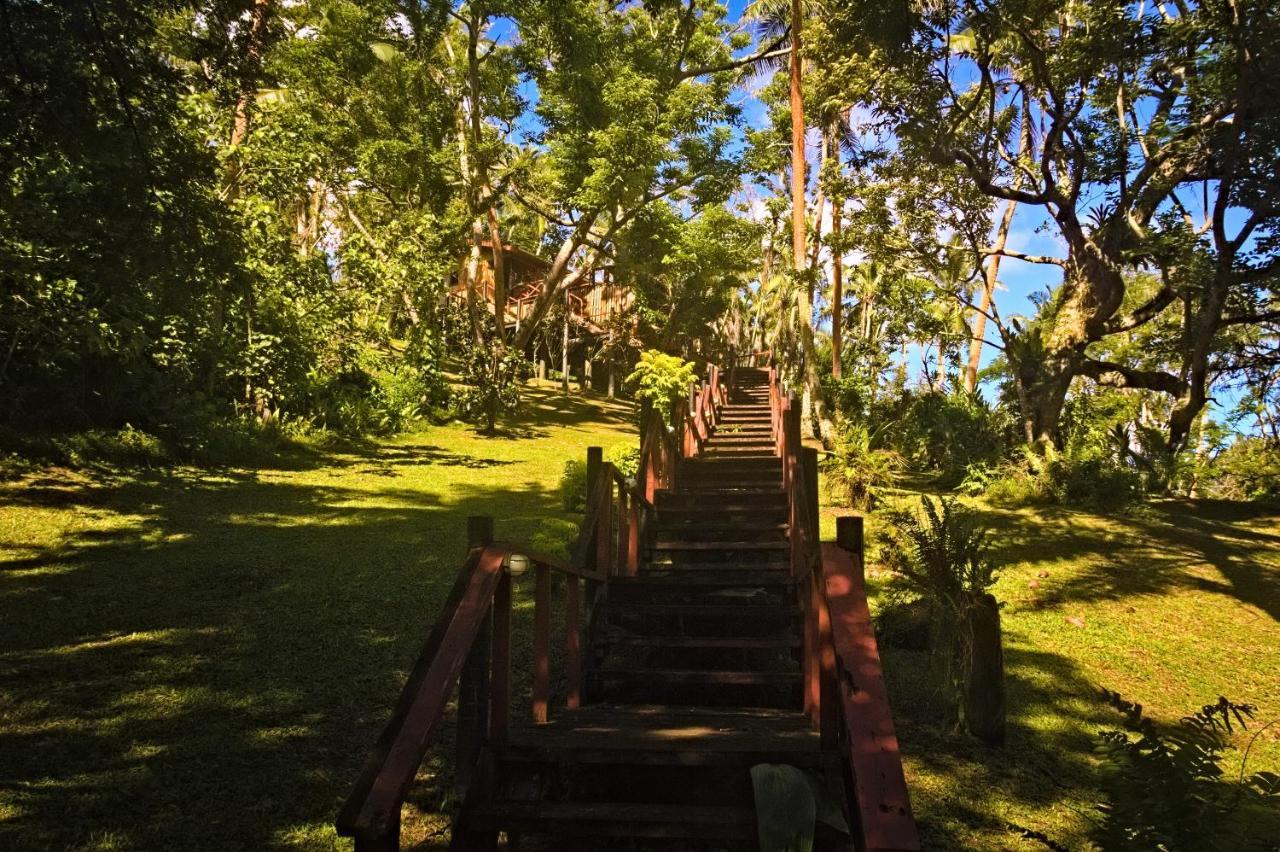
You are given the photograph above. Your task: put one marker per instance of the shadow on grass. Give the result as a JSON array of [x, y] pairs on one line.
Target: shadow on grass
[[211, 672], [1186, 533], [1039, 769]]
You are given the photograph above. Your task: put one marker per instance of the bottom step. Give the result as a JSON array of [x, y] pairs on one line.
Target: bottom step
[[613, 819]]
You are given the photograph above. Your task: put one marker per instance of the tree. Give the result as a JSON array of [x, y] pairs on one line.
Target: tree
[[1139, 109]]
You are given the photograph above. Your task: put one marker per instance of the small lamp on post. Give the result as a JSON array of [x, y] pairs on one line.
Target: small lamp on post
[[517, 564]]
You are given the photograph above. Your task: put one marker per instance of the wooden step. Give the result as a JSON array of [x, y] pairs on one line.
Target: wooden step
[[705, 610], [730, 475], [666, 728], [728, 546], [700, 677], [613, 819], [702, 525], [676, 568], [744, 575], [781, 641]]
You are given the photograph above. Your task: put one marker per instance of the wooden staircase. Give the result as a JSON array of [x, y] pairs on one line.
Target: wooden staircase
[[702, 658]]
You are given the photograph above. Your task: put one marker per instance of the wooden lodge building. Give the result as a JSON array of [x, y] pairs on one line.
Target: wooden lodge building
[[592, 303]]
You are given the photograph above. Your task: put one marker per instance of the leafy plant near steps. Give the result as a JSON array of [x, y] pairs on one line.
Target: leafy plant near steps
[[1167, 788], [858, 469], [789, 803], [661, 380]]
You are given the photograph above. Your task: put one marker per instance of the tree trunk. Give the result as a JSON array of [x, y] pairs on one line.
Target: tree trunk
[[813, 382], [240, 124], [564, 348], [990, 278], [837, 291], [992, 271]]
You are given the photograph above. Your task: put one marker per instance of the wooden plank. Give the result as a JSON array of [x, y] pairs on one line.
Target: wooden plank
[[880, 787], [718, 677], [590, 819]]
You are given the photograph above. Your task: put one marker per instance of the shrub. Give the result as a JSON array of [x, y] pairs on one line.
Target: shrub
[[948, 433], [572, 489], [1248, 469], [856, 469], [573, 486], [661, 380], [1090, 480], [127, 447], [491, 385], [554, 537]]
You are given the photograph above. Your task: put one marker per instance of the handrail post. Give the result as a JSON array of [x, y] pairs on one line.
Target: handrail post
[[791, 428], [573, 644], [473, 682], [541, 643], [500, 691], [603, 483], [633, 536], [807, 474]]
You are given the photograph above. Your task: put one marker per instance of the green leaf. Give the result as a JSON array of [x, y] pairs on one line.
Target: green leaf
[[964, 42], [385, 51]]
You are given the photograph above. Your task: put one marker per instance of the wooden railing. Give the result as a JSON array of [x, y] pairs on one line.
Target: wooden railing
[[470, 648], [844, 690]]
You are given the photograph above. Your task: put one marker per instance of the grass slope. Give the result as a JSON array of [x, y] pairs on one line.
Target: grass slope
[[201, 660], [1172, 606]]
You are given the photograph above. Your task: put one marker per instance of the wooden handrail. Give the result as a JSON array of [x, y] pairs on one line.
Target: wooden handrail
[[372, 811], [844, 690]]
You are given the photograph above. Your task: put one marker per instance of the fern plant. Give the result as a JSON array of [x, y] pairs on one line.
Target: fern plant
[[941, 555], [1167, 789]]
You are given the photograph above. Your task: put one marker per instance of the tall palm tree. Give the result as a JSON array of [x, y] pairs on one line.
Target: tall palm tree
[[778, 16]]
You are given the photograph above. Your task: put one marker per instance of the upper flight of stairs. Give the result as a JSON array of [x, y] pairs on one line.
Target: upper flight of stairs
[[694, 673]]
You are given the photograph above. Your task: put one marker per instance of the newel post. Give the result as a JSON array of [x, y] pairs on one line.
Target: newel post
[[849, 535], [473, 683]]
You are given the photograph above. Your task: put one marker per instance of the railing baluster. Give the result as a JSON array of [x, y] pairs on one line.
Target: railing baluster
[[604, 530], [541, 644], [500, 686], [473, 683], [633, 536], [573, 644]]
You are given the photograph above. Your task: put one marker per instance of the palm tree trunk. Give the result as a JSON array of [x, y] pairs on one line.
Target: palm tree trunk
[[837, 290]]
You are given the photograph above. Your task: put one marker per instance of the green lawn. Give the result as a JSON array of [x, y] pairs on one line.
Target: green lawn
[[194, 659], [1180, 603]]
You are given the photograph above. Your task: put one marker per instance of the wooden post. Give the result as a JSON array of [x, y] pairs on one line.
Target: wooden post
[[541, 643], [500, 691], [604, 528], [633, 536], [573, 644], [849, 534], [810, 468], [808, 474], [984, 705], [473, 682]]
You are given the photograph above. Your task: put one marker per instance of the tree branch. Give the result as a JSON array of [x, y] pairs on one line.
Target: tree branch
[[769, 51], [1120, 376]]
